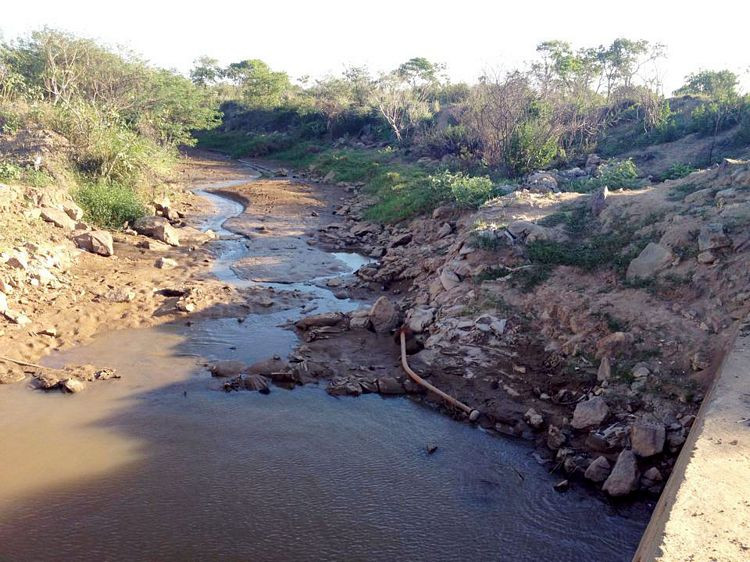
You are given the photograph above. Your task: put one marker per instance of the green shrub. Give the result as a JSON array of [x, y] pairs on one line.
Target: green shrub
[[677, 171], [10, 172], [617, 174], [109, 205]]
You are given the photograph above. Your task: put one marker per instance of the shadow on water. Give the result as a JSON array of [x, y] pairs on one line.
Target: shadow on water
[[296, 475], [164, 465]]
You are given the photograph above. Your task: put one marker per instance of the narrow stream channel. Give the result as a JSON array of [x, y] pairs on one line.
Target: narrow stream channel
[[162, 465]]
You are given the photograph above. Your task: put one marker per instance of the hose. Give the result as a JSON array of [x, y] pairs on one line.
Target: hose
[[473, 414]]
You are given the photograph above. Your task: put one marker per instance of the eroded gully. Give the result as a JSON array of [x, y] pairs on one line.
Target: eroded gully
[[162, 465]]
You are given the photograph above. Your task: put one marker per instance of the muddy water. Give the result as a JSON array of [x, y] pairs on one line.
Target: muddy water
[[161, 465]]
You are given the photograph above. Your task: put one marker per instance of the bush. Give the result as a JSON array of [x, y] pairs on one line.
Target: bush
[[617, 174], [677, 171], [109, 205], [10, 172]]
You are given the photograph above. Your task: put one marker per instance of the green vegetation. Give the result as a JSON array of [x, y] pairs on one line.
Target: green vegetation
[[622, 174], [109, 204], [587, 248], [565, 104], [677, 171], [120, 119]]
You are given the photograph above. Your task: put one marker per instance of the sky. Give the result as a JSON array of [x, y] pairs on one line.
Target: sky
[[316, 37]]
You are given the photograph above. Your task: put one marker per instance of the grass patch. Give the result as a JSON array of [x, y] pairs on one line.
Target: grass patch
[[239, 145], [109, 205], [25, 175]]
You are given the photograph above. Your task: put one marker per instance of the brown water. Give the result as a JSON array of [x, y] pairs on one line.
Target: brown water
[[161, 465]]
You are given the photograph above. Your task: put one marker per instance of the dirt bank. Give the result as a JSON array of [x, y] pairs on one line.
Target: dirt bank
[[84, 293]]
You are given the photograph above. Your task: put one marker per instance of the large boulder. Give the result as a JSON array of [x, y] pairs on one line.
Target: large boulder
[[72, 210], [227, 368], [712, 237], [158, 228], [320, 320], [649, 262], [97, 242], [57, 217], [383, 315], [448, 279], [419, 318], [624, 476], [598, 470], [647, 439], [590, 413], [541, 181]]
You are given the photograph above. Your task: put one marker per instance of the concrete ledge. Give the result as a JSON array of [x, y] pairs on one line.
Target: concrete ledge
[[704, 510]]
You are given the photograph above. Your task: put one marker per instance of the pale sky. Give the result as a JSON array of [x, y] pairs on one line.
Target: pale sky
[[314, 37]]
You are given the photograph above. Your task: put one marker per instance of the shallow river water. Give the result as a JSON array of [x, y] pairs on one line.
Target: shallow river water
[[162, 465]]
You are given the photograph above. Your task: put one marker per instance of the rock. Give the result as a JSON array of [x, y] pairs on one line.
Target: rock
[[442, 212], [444, 230], [165, 263], [613, 343], [541, 181], [158, 228], [652, 475], [48, 380], [57, 217], [647, 439], [343, 386], [419, 318], [598, 470], [227, 368], [73, 385], [360, 320], [17, 317], [120, 295], [267, 367], [73, 210], [534, 418], [590, 413], [555, 437], [97, 242], [706, 257], [431, 448], [329, 177], [19, 260], [256, 383], [624, 476], [11, 375], [640, 371], [712, 237], [528, 231], [649, 262], [390, 386], [605, 370], [51, 332], [592, 161], [599, 201], [320, 320], [3, 303], [401, 240], [449, 279], [383, 315]]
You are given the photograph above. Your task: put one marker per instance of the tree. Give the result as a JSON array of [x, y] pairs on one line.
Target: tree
[[206, 72], [402, 106], [259, 85], [723, 103], [714, 84]]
